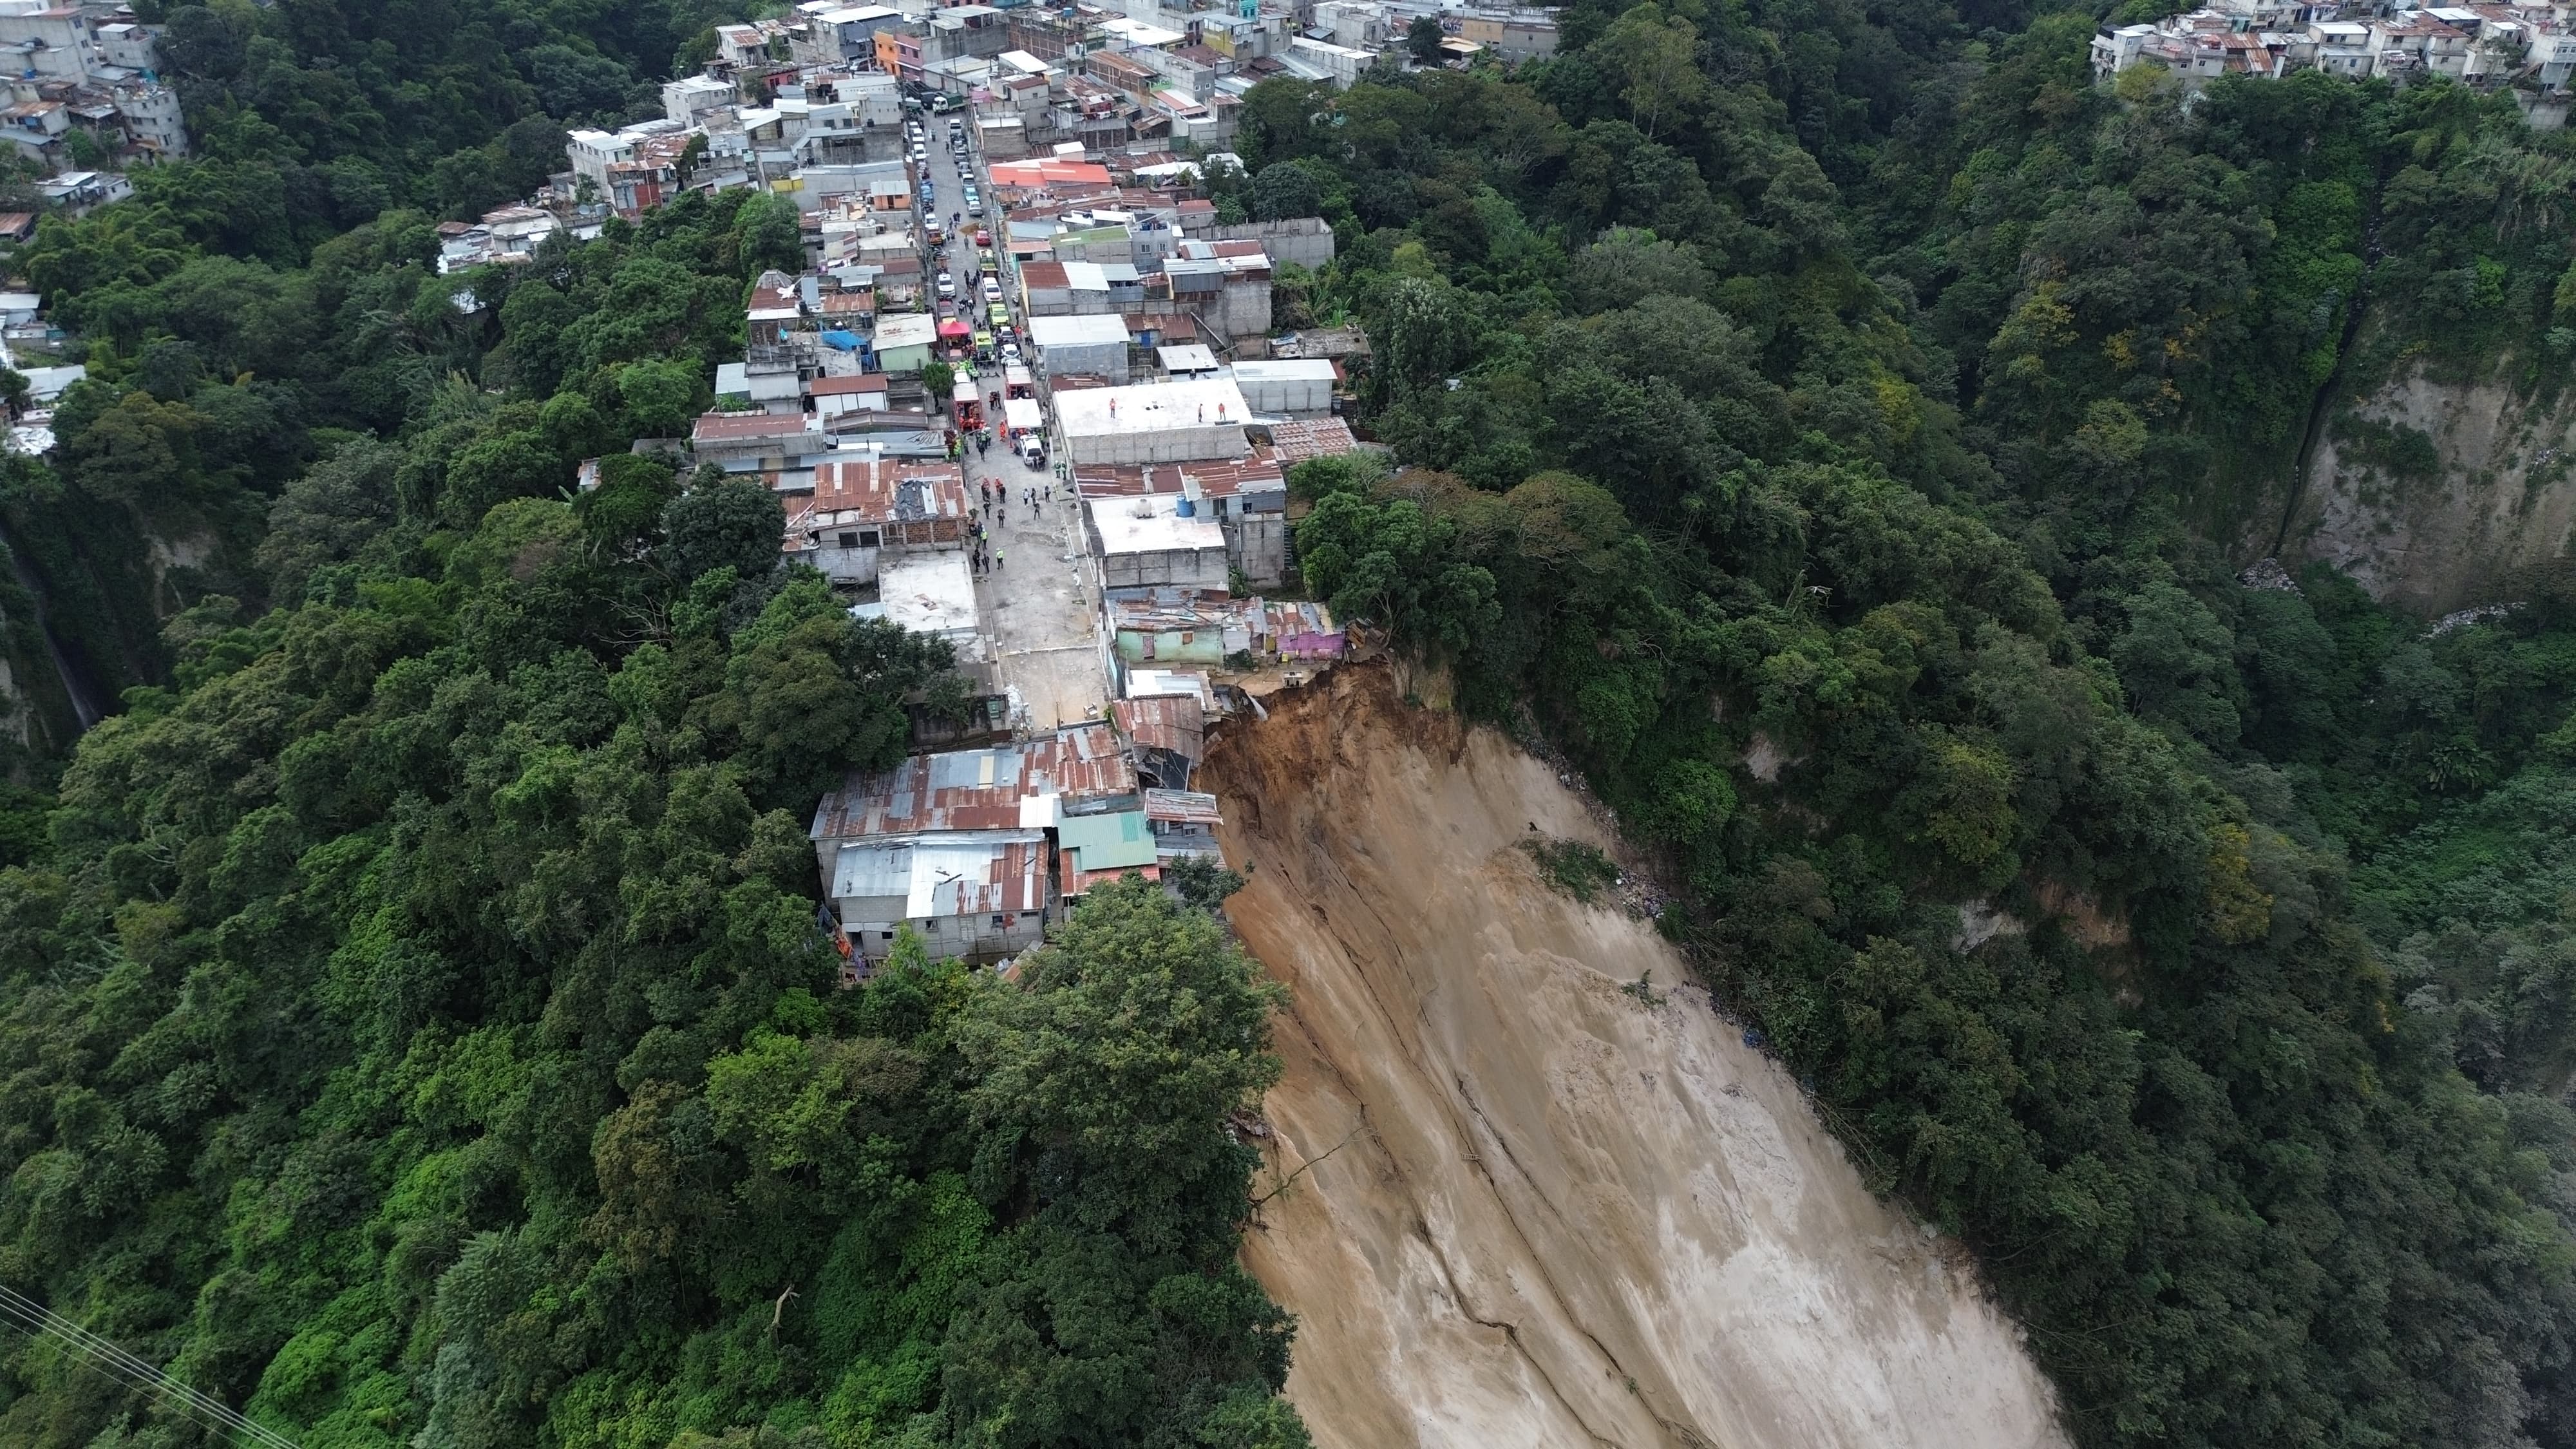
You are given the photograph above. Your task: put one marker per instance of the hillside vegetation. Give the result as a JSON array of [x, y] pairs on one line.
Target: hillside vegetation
[[415, 1028], [411, 1021], [1813, 425]]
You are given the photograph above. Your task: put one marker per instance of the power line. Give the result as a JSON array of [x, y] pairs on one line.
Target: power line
[[113, 1362]]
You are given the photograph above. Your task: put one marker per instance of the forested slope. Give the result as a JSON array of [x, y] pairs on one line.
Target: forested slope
[[1828, 427], [255, 306], [414, 1023]]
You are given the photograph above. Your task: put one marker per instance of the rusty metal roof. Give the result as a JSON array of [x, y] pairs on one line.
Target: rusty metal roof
[[1182, 807], [1164, 608], [1078, 881], [873, 491], [1171, 722], [1004, 788], [1216, 479], [957, 874], [1294, 440], [717, 426]]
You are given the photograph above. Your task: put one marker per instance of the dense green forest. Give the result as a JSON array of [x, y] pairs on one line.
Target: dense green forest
[[415, 1027], [1817, 421]]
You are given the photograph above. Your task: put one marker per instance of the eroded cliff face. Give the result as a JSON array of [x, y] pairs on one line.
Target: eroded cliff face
[[1515, 1204], [2432, 494]]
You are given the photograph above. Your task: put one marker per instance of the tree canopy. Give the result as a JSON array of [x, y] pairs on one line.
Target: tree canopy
[[1837, 470], [1829, 425]]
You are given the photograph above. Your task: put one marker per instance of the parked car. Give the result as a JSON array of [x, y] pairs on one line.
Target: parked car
[[992, 290], [947, 287]]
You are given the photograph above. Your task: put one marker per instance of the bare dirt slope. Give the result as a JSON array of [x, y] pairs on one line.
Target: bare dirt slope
[[1534, 1210], [2502, 497]]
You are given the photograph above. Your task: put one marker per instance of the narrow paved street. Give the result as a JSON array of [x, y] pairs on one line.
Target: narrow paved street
[[1038, 608], [1038, 604]]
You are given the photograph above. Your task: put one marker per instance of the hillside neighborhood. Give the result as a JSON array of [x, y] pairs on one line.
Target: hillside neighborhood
[[1033, 405]]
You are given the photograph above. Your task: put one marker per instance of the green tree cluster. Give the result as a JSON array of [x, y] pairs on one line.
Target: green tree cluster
[[1813, 417], [419, 1030], [1810, 419], [419, 1024]]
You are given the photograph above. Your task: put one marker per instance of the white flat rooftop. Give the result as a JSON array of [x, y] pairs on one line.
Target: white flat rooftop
[[1151, 408], [1293, 369], [1089, 329], [1141, 35], [1160, 530], [931, 593], [906, 329], [1155, 683]]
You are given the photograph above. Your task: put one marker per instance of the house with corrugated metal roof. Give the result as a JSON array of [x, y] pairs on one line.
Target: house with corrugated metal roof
[[1183, 822], [1175, 626], [978, 894], [867, 511], [971, 837], [1095, 849], [1167, 736]]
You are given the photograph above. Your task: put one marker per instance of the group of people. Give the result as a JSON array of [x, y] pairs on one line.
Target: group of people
[[982, 551], [994, 491]]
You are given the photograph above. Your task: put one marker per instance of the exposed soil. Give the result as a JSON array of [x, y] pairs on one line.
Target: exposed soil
[[2505, 497], [1522, 1206]]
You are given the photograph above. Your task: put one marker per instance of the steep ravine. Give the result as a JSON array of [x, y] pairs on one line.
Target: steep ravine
[[76, 688], [1516, 1206], [2479, 484]]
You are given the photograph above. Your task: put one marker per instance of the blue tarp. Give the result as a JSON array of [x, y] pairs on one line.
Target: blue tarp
[[841, 341]]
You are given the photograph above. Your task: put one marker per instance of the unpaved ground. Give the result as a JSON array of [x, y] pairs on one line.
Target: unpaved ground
[[1533, 1210]]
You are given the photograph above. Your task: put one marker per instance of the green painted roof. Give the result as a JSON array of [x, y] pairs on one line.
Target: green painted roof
[[1107, 842]]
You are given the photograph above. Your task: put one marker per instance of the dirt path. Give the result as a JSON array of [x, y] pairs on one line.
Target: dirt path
[[1528, 1208]]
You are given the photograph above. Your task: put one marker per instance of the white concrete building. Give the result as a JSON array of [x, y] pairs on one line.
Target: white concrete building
[[1149, 542], [689, 100], [1294, 388], [934, 593], [1170, 422], [1093, 345], [1341, 63]]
